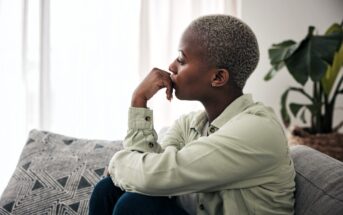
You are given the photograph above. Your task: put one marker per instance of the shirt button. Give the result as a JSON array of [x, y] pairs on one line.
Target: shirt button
[[151, 145], [202, 207], [212, 129], [147, 118]]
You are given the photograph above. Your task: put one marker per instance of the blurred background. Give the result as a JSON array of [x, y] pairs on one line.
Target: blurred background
[[70, 66]]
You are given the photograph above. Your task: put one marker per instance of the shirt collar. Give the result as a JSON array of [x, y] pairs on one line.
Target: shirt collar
[[199, 121], [237, 106]]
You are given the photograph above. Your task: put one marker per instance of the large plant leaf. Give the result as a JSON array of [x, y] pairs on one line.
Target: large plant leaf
[[326, 46], [332, 72], [281, 51], [335, 28], [296, 64], [323, 49], [313, 56], [277, 54], [272, 72], [328, 80]]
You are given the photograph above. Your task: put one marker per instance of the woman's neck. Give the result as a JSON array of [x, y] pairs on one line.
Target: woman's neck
[[217, 105]]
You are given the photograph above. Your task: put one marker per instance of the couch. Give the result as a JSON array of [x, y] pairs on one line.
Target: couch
[[56, 173]]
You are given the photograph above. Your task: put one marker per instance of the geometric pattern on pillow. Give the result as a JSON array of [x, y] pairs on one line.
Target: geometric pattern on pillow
[[56, 174]]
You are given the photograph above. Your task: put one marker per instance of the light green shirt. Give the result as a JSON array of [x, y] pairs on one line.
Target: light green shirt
[[242, 167]]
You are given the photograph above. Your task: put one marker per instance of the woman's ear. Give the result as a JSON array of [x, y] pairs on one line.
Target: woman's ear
[[220, 77]]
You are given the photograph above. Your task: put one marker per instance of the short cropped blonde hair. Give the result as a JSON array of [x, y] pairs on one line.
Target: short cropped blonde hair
[[228, 43]]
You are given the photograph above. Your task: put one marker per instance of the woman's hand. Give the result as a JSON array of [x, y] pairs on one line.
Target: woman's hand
[[153, 82]]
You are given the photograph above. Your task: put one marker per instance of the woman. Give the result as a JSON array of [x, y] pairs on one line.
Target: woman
[[233, 155]]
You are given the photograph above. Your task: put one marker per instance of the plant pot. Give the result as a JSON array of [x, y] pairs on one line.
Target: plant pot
[[330, 144]]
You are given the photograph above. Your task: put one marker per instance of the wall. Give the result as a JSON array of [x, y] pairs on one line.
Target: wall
[[274, 21]]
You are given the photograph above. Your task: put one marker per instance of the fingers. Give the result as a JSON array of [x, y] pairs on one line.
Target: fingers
[[153, 82], [166, 82], [169, 90]]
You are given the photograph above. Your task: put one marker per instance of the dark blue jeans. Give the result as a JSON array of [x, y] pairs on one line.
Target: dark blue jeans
[[109, 199]]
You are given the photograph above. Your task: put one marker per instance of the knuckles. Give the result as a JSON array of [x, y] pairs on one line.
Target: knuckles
[[159, 74]]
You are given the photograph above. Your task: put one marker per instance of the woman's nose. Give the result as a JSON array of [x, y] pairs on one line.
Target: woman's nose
[[172, 68]]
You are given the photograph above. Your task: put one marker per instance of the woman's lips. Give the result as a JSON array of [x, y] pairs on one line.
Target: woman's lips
[[172, 77]]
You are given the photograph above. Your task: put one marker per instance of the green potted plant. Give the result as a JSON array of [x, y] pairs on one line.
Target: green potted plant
[[318, 59]]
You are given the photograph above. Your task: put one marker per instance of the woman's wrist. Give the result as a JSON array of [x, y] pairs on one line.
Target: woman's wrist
[[138, 101]]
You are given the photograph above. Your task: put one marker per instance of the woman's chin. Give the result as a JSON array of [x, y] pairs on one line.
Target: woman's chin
[[177, 95], [180, 96], [183, 96]]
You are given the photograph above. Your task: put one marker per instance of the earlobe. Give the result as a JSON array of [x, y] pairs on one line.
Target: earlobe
[[220, 77]]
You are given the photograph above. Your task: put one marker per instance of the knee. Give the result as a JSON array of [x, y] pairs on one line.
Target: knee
[[104, 197], [103, 187], [123, 205], [133, 203]]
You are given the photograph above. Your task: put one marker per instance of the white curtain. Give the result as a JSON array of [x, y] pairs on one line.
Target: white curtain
[[12, 91], [70, 66], [93, 66]]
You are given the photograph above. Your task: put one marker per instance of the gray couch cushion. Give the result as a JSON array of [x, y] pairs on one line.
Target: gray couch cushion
[[56, 174], [319, 182]]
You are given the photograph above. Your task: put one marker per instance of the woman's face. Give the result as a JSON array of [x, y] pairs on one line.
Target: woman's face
[[191, 74]]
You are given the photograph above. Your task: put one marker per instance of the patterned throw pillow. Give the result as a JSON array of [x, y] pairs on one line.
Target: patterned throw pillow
[[56, 174]]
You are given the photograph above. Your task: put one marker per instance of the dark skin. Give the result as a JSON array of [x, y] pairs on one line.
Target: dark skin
[[192, 78]]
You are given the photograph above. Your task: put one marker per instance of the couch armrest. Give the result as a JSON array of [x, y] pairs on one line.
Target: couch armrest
[[319, 182]]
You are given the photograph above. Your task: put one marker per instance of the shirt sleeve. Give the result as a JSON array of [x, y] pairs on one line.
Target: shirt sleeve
[[240, 154], [141, 136]]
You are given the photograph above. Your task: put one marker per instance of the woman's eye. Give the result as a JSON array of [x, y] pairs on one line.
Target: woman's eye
[[180, 61], [180, 58]]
